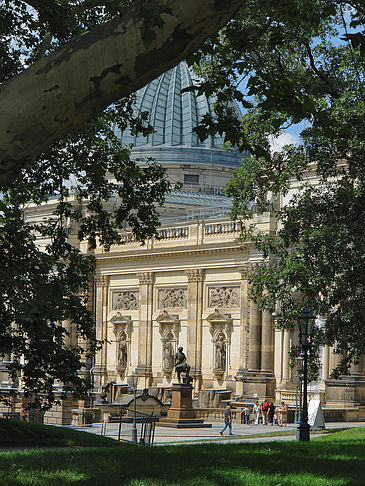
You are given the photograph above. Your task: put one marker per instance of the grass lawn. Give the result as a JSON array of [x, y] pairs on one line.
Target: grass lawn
[[15, 433], [336, 459]]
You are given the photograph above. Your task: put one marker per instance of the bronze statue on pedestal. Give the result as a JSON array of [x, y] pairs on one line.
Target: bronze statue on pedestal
[[181, 366]]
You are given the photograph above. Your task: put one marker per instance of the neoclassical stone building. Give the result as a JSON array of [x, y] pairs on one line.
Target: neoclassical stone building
[[189, 287]]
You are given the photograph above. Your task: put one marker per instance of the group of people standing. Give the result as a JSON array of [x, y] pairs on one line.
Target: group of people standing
[[268, 412]]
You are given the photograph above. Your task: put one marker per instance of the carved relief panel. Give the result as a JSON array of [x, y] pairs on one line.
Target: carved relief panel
[[122, 329], [125, 300], [224, 297], [172, 298]]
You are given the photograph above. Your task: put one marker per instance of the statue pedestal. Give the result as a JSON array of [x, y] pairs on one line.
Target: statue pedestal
[[181, 413]]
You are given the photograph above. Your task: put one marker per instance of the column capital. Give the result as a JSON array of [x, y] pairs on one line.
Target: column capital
[[102, 280], [146, 278], [195, 275], [246, 269]]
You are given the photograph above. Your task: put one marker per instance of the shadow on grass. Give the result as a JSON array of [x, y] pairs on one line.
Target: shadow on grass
[[325, 461]]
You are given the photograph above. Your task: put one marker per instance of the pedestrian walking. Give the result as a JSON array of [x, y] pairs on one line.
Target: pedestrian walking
[[227, 420], [256, 412], [264, 410], [276, 422], [270, 413]]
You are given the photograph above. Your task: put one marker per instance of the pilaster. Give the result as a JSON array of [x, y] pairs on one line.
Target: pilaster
[[100, 366], [194, 323], [144, 367]]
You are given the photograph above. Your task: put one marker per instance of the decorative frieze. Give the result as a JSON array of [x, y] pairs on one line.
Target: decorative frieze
[[172, 298], [224, 297], [125, 300]]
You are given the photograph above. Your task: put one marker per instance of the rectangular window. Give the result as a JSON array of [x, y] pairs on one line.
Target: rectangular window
[[191, 179]]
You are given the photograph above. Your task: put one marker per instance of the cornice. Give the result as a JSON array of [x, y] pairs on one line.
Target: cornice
[[154, 254]]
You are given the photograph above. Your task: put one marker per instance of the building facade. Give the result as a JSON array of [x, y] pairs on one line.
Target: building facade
[[189, 286]]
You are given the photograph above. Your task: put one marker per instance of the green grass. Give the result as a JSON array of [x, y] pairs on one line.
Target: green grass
[[15, 433], [336, 459]]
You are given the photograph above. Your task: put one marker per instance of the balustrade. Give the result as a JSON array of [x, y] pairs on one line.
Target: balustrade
[[173, 233], [226, 227]]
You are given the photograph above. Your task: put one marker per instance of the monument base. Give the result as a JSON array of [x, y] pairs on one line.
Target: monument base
[[181, 414]]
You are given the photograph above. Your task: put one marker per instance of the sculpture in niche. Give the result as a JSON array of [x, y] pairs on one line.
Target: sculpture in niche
[[122, 351], [224, 297], [220, 354], [168, 354], [172, 298], [126, 300]]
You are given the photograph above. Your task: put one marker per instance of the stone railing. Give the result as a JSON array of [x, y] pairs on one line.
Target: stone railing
[[227, 227], [291, 397], [194, 233], [128, 238], [173, 233]]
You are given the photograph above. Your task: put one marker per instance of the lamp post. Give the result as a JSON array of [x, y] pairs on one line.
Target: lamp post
[[134, 383], [306, 328], [299, 377]]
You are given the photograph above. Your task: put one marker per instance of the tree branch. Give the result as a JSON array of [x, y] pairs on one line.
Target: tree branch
[[64, 90]]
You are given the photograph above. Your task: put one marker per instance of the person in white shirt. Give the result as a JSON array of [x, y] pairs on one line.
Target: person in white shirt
[[256, 412]]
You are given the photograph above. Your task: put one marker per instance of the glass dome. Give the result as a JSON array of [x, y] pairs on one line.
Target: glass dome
[[173, 115]]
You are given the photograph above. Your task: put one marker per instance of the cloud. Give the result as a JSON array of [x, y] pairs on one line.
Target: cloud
[[277, 143]]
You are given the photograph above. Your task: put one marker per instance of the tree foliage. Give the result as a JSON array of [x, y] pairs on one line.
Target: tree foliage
[[93, 188], [299, 61]]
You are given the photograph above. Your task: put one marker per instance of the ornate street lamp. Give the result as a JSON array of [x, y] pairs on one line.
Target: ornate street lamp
[[134, 382], [306, 328], [299, 383]]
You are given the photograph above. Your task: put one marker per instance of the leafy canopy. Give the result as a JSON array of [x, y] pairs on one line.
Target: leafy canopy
[[290, 62], [91, 188]]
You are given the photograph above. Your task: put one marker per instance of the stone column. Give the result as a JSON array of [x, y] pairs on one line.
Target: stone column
[[70, 327], [325, 363], [100, 366], [244, 318], [254, 354], [286, 349], [144, 367], [278, 370], [194, 323], [267, 349], [355, 369]]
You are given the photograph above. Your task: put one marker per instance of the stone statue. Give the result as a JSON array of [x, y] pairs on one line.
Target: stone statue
[[181, 365], [220, 354], [168, 356], [122, 353]]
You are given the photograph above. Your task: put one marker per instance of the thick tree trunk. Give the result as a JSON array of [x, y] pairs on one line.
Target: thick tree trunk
[[71, 86]]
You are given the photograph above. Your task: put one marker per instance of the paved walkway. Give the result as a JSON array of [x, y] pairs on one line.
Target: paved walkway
[[242, 433]]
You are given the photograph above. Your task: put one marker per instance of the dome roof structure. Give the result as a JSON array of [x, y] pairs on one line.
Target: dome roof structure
[[173, 115]]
